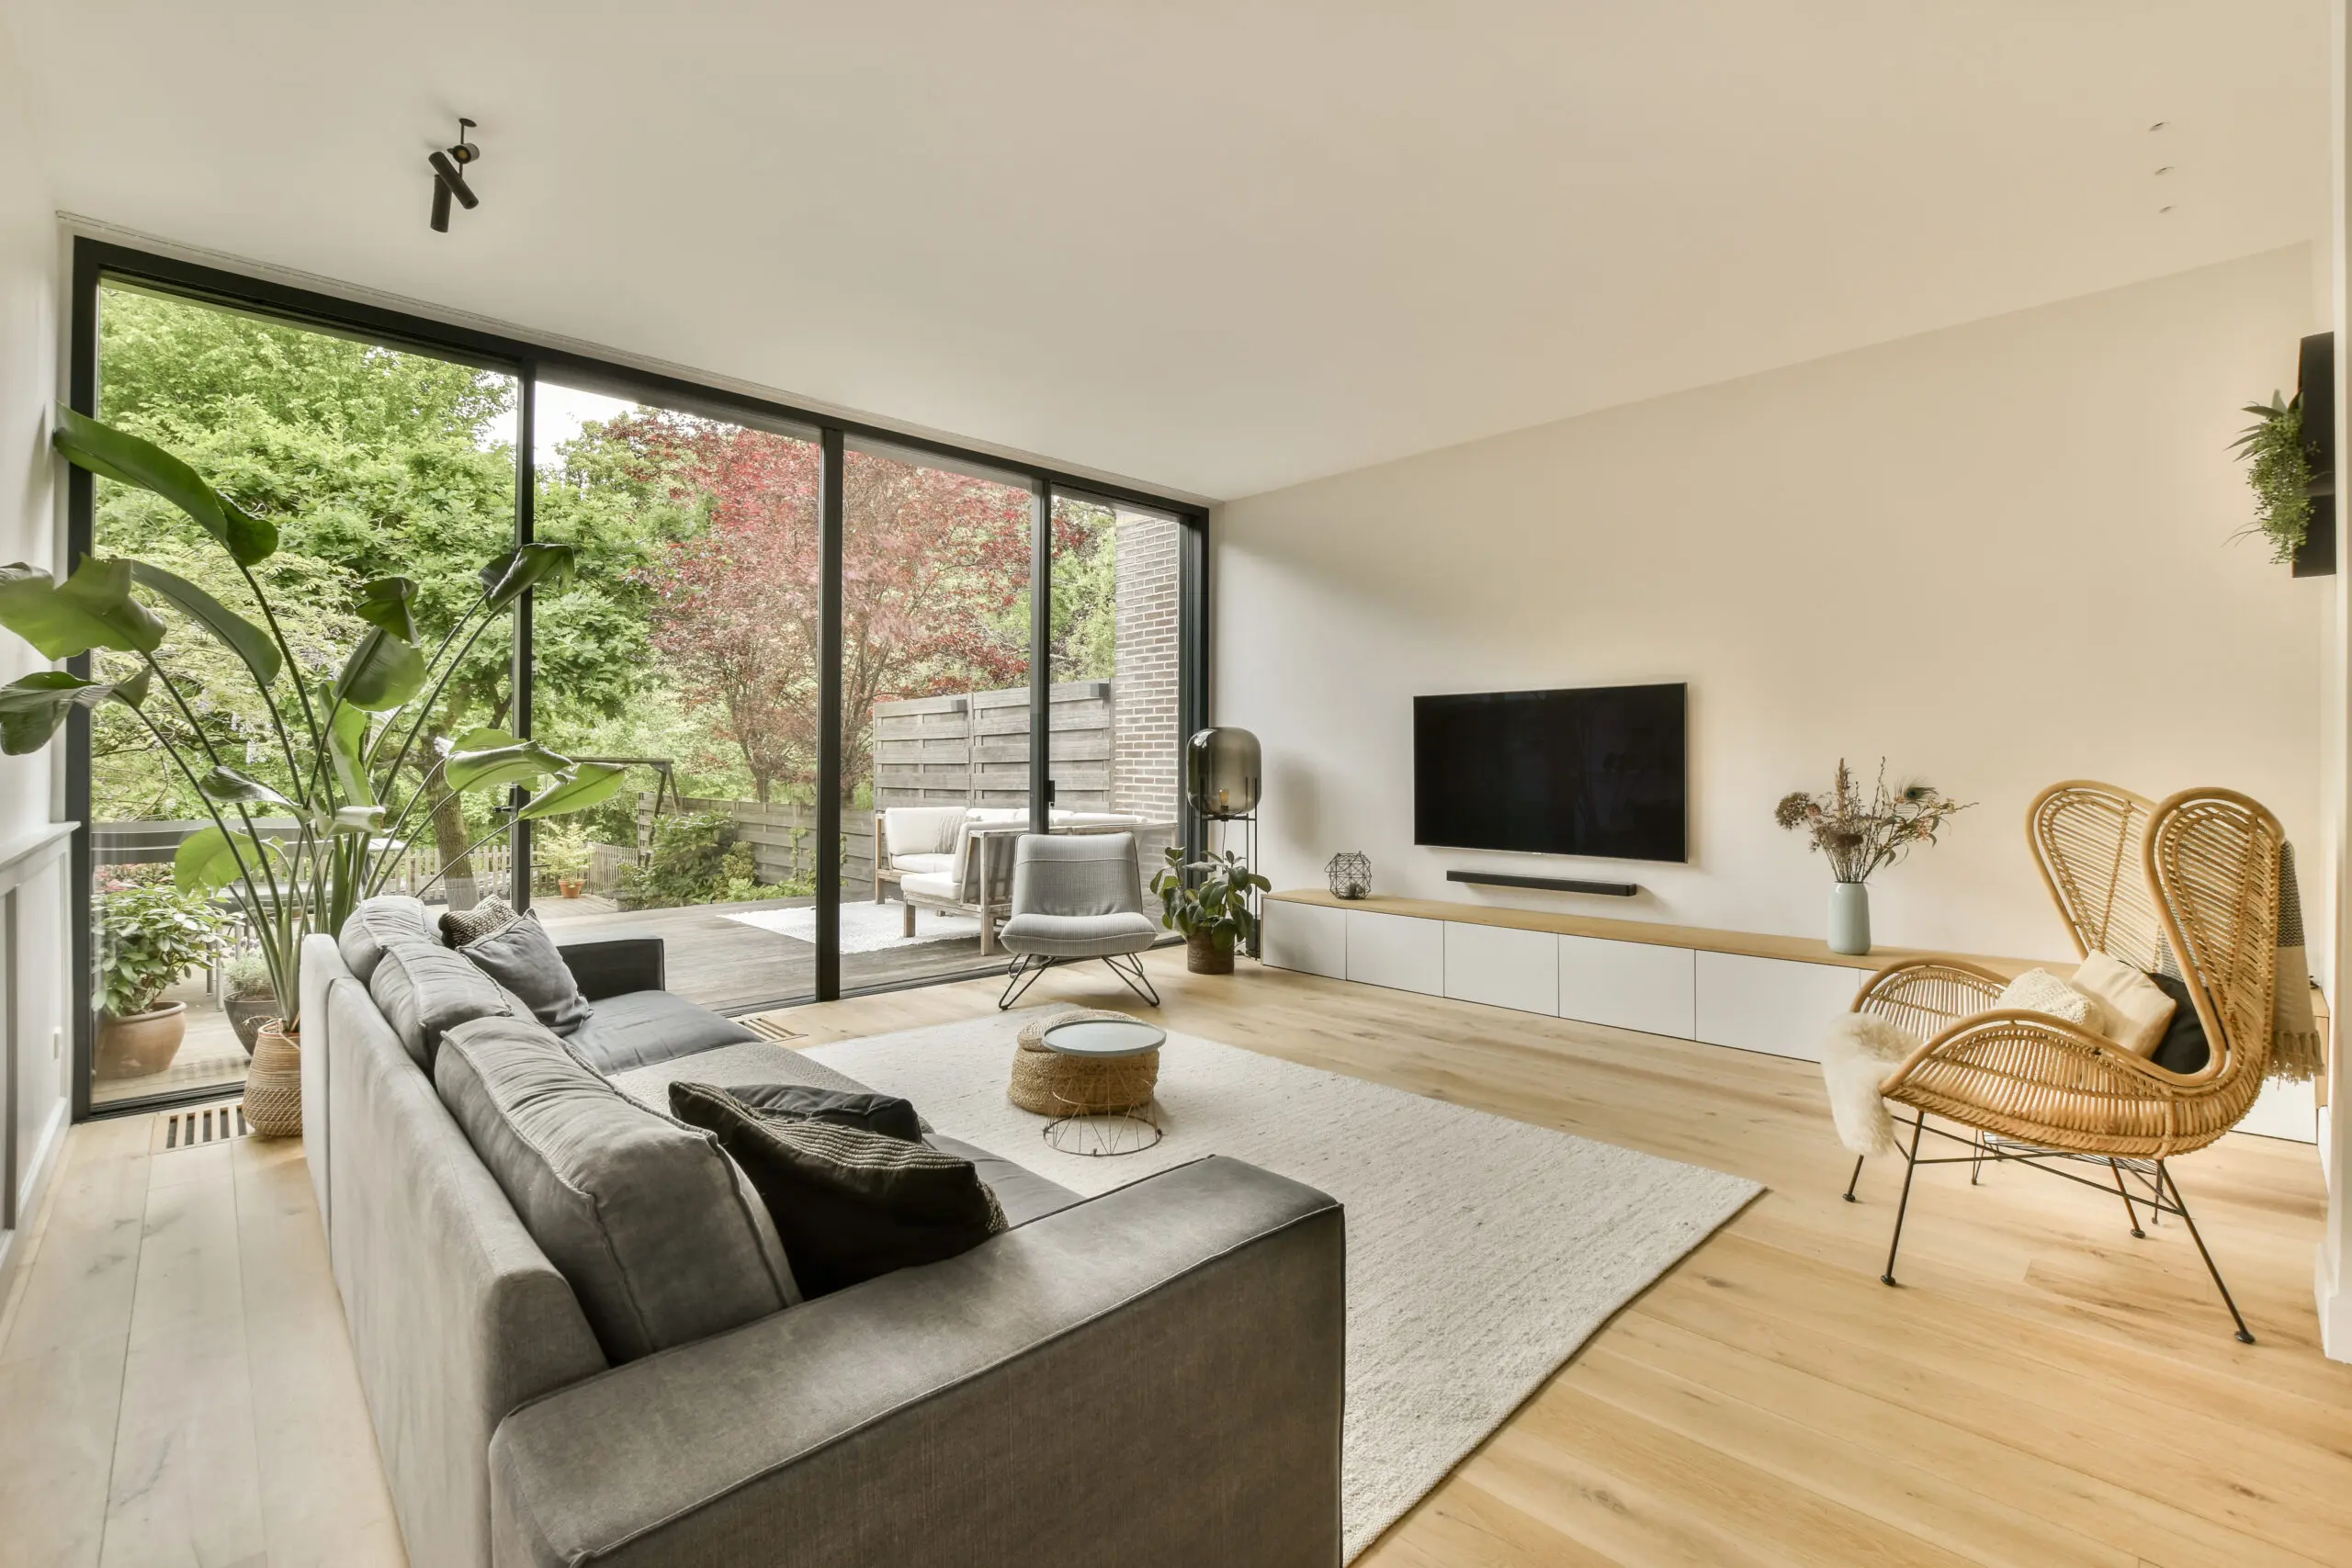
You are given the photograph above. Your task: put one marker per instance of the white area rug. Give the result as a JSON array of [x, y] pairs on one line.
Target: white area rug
[[866, 927], [1482, 1252]]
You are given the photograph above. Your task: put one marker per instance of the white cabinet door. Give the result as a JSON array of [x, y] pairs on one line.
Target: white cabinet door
[[1628, 985], [1307, 937], [1502, 967], [1402, 952], [1772, 1004], [2284, 1110]]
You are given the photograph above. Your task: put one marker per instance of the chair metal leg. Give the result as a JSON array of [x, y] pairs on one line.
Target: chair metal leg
[[1910, 1168], [1021, 975], [1855, 1179], [1137, 981], [2128, 1207], [1975, 1157], [2166, 1178]]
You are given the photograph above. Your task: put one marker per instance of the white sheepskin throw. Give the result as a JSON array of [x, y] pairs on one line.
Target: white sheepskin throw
[[1854, 1060]]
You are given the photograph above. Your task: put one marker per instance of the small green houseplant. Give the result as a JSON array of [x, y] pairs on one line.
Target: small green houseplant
[[1212, 912], [2279, 470], [247, 998], [150, 934]]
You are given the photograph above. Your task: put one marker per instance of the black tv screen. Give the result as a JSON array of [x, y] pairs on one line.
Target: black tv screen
[[1592, 770]]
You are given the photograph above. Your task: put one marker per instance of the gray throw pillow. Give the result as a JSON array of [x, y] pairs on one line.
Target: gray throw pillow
[[424, 990], [647, 1220], [521, 956], [375, 925], [459, 927]]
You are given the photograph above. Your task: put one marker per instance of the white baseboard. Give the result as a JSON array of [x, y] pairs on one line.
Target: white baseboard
[[36, 1192]]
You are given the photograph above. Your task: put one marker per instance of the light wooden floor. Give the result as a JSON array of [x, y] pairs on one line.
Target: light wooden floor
[[2043, 1392]]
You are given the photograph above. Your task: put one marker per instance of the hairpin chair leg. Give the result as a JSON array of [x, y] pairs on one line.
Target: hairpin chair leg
[[2129, 1208], [1855, 1179], [1975, 1157], [2181, 1204], [1021, 975], [1137, 981], [1910, 1168]]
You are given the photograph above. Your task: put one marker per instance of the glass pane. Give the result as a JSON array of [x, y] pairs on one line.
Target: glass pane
[[370, 461], [936, 564], [687, 650], [1116, 663]]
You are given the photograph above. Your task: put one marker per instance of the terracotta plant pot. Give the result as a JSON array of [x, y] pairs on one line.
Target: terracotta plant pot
[[274, 1084], [570, 887], [1204, 954], [142, 1043]]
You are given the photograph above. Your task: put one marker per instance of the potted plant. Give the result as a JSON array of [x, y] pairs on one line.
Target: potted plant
[[150, 934], [1860, 835], [2282, 473], [247, 996], [331, 755], [1212, 912], [562, 853]]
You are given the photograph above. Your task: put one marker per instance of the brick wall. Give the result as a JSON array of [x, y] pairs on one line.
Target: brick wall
[[1145, 748]]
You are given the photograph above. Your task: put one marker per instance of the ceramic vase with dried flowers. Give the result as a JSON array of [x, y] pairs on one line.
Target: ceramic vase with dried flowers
[[1859, 834]]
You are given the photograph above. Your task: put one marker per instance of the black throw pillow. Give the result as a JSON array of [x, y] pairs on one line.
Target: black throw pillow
[[521, 956], [883, 1113], [2183, 1049], [849, 1204], [459, 927]]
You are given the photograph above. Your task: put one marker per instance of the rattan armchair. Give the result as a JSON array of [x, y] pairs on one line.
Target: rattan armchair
[[2194, 878]]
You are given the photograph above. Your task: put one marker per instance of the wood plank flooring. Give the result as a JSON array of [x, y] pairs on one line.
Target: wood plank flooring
[[2042, 1392]]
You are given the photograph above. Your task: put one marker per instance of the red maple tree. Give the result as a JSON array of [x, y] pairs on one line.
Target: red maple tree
[[936, 575]]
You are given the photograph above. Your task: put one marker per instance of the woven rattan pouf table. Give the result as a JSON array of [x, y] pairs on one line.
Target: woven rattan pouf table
[[1094, 1072]]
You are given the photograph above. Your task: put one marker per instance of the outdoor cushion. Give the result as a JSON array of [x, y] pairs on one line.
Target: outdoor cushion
[[424, 990], [521, 956], [646, 1219], [922, 830], [930, 885], [377, 921], [1080, 936], [638, 1029], [936, 864]]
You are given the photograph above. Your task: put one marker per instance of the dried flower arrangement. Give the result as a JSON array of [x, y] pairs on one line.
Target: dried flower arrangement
[[1860, 835]]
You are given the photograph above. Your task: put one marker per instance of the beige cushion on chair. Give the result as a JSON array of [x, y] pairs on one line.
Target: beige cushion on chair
[[2037, 990], [2137, 1009], [938, 864]]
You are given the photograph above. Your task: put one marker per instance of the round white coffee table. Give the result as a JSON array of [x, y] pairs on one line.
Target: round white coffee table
[[1100, 1080]]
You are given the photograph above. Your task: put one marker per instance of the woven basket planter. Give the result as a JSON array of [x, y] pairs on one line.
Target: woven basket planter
[[1052, 1084], [274, 1084]]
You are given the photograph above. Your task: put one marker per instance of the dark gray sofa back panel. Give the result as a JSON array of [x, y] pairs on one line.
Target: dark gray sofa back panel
[[645, 1217], [424, 990], [375, 924], [456, 1317]]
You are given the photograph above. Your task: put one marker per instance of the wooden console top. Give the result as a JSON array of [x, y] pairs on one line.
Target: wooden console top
[[1752, 944]]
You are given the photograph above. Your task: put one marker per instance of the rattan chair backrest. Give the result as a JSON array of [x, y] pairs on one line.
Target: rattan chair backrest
[[2211, 856], [2087, 839]]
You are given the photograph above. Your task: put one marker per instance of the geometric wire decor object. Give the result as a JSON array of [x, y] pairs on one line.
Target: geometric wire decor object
[[1349, 873]]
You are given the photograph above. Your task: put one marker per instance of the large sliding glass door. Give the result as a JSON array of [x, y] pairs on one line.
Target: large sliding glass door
[[999, 646]]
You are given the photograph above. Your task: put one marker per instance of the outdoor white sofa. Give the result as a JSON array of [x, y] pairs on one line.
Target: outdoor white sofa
[[958, 860]]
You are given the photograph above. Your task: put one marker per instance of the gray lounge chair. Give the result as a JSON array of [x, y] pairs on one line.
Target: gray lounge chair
[[1077, 897]]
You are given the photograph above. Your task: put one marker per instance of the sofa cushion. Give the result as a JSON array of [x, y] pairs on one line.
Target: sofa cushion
[[521, 956], [883, 1113], [937, 884], [375, 923], [1021, 1192], [935, 865], [424, 990], [851, 1205], [644, 1218], [922, 830], [638, 1029]]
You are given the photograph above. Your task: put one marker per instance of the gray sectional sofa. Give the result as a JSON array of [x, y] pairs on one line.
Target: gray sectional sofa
[[1149, 1377]]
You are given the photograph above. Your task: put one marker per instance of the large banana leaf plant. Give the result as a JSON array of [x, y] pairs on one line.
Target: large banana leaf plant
[[345, 742]]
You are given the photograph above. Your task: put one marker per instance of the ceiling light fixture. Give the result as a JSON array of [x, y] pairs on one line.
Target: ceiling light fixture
[[2160, 124], [2166, 170], [448, 182]]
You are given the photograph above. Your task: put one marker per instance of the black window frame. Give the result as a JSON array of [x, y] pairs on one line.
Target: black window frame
[[97, 262]]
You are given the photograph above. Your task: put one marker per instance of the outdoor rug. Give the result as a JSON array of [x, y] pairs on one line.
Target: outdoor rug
[[866, 927], [1482, 1252]]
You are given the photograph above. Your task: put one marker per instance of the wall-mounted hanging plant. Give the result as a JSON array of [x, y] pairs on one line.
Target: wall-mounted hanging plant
[[2291, 464]]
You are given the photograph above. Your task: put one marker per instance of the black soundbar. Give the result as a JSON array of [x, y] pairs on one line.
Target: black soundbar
[[1548, 884]]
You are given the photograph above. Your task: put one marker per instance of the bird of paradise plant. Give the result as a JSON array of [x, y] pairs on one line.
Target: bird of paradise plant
[[342, 743]]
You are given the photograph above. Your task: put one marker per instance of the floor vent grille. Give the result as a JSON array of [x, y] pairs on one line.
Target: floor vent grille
[[199, 1125]]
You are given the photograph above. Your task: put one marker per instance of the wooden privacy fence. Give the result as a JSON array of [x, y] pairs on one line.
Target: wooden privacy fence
[[783, 838], [972, 749]]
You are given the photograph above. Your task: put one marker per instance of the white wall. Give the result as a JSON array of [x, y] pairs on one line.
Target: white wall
[[29, 356], [1998, 555]]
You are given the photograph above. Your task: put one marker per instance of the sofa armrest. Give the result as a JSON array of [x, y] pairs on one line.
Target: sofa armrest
[[1152, 1378], [616, 965]]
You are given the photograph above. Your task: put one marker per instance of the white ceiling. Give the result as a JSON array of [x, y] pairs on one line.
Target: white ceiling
[[1217, 247]]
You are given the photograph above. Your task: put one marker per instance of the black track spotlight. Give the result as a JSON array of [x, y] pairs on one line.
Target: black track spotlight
[[448, 182]]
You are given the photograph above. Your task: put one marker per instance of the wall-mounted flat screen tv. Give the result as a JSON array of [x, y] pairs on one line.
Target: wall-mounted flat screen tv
[[1591, 771]]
